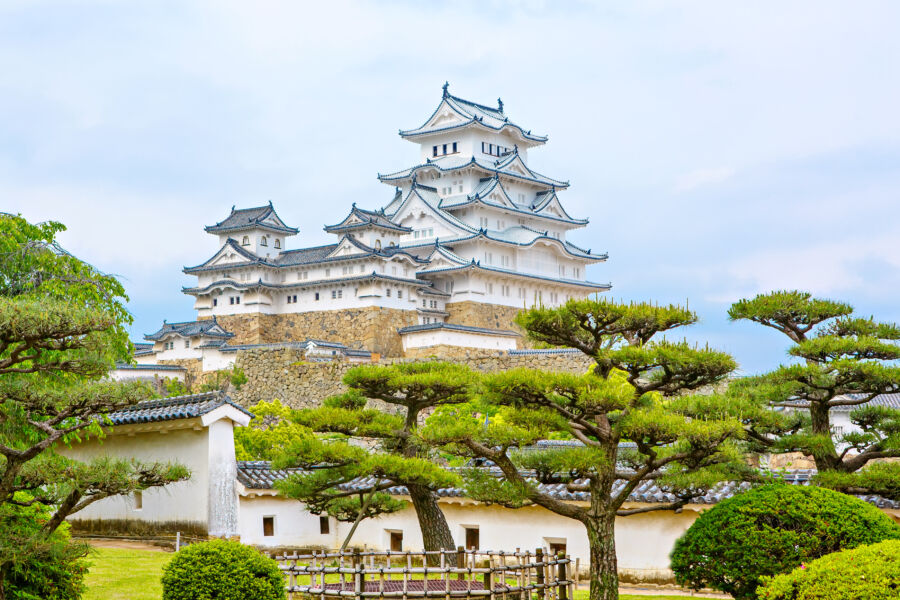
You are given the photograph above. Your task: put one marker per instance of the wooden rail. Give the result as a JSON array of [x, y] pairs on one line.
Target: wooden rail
[[459, 573]]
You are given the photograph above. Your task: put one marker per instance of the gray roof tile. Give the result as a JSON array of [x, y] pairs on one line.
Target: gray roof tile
[[258, 475], [249, 218], [176, 407]]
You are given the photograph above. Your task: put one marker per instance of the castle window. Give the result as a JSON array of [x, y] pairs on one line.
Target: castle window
[[317, 295], [288, 299], [434, 151], [378, 244], [399, 293], [445, 148], [278, 243], [245, 241], [387, 292], [454, 147], [268, 524], [263, 241], [215, 301], [423, 303], [324, 525], [231, 299], [187, 343], [333, 294]]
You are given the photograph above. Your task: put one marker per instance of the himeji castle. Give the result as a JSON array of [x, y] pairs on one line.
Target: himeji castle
[[468, 236]]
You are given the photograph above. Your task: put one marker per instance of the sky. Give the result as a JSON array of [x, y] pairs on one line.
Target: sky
[[719, 149]]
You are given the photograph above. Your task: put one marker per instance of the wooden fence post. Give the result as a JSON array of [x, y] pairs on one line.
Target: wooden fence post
[[561, 577], [460, 562], [541, 581]]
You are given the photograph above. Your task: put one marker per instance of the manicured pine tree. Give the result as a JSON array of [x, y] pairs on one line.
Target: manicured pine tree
[[405, 394], [845, 361], [631, 414], [62, 327]]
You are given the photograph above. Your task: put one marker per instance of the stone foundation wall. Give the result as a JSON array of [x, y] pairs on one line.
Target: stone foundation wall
[[371, 328], [492, 316], [193, 368], [284, 375]]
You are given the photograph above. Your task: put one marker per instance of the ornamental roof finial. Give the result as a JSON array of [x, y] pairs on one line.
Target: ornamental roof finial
[[445, 86], [500, 104]]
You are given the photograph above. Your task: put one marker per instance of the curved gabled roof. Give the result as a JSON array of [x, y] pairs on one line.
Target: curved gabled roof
[[429, 196], [258, 217], [206, 327], [252, 259], [477, 266], [298, 284], [361, 219], [522, 236], [509, 166], [482, 192], [472, 114]]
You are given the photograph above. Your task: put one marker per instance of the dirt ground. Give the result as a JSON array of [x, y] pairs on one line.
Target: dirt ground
[[124, 544]]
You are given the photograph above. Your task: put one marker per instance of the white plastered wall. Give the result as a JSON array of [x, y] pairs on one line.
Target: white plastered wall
[[643, 541], [185, 501]]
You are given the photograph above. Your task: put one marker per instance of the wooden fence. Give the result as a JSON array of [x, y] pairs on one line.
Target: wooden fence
[[407, 575]]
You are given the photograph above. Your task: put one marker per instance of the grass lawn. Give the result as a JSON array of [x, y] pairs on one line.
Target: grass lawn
[[118, 574]]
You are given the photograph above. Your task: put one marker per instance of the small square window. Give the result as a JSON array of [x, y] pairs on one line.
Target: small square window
[[396, 541], [187, 343], [215, 301], [268, 526], [399, 293], [317, 295], [454, 146], [237, 299], [434, 151], [324, 525]]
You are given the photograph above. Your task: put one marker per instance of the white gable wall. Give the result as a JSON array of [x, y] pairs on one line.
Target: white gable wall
[[181, 502]]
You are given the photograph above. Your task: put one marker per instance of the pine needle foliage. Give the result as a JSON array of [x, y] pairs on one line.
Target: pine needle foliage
[[62, 328], [367, 437], [846, 362], [634, 416]]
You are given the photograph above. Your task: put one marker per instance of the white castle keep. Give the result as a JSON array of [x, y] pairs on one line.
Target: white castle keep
[[470, 235]]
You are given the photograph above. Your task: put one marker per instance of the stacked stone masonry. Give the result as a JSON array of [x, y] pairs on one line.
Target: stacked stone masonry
[[490, 316], [283, 374], [371, 328]]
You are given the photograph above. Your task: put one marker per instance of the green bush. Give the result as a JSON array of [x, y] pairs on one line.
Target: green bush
[[38, 566], [222, 570], [869, 572], [771, 530]]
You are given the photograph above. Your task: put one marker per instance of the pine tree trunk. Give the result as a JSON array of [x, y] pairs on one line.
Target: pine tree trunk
[[604, 565], [435, 531], [826, 458]]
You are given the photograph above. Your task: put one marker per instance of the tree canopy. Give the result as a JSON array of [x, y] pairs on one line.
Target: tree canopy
[[844, 362], [62, 328], [633, 415]]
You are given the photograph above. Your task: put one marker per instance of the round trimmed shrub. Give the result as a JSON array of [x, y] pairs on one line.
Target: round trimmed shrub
[[222, 570], [870, 572], [770, 530]]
